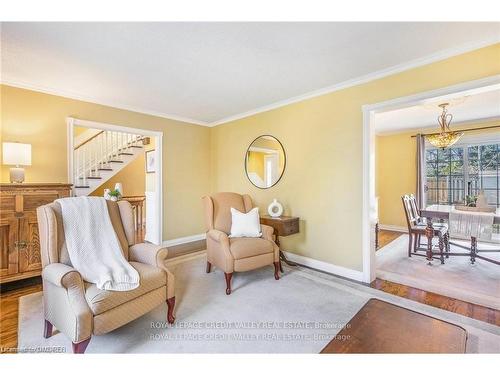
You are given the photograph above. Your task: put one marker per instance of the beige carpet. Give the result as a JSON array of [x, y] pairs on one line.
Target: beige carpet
[[300, 313], [457, 278]]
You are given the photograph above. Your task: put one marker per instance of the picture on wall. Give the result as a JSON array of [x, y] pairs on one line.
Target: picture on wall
[[150, 161]]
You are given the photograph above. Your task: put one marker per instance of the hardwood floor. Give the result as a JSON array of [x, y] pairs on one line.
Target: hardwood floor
[[387, 236]]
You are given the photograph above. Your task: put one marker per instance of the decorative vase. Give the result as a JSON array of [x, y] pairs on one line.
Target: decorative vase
[[119, 187], [275, 209], [106, 194]]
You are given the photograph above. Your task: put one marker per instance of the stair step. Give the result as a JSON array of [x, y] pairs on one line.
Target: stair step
[[126, 153], [82, 187], [92, 178], [136, 146], [116, 161], [104, 169]]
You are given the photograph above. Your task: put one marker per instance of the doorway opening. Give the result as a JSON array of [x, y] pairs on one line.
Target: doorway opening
[[109, 160]]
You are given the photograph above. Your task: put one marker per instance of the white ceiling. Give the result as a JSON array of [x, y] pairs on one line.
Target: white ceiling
[[482, 106], [207, 72]]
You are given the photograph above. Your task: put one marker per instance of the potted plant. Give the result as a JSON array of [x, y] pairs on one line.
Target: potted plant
[[115, 195]]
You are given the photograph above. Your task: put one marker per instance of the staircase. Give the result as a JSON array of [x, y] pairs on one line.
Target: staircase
[[100, 157]]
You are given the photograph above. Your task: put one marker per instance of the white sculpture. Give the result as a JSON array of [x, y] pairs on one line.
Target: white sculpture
[[275, 209]]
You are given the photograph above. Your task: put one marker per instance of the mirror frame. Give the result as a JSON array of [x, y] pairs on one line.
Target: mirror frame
[[284, 164]]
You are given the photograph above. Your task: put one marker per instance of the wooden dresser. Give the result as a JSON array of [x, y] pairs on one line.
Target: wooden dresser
[[19, 243]]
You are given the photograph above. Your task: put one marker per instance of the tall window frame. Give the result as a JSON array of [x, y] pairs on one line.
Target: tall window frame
[[458, 171]]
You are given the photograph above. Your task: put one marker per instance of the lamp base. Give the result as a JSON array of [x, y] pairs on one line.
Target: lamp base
[[16, 175]]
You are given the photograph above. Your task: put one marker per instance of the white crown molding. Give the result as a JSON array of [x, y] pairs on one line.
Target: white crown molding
[[442, 55], [325, 267], [428, 128], [90, 99]]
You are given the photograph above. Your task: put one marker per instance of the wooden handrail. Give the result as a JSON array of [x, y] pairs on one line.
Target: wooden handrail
[[88, 140]]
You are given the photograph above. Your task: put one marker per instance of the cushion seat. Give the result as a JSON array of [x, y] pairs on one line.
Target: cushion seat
[[244, 247], [439, 228], [151, 278]]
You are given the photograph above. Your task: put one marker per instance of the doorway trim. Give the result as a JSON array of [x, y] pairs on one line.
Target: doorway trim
[[71, 122], [369, 110]]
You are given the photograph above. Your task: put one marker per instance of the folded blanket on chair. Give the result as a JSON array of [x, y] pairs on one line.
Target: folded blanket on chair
[[93, 247], [467, 224]]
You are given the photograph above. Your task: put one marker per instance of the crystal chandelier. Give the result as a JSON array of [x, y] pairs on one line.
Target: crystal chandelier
[[446, 137]]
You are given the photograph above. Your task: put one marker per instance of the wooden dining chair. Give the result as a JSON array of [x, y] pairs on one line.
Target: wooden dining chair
[[417, 226]]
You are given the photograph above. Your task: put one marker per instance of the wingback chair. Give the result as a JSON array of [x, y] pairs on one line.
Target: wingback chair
[[78, 308], [236, 254]]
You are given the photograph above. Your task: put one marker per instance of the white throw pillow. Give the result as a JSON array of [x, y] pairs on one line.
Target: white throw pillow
[[245, 225]]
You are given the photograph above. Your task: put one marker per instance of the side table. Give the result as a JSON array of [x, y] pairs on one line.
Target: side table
[[283, 226]]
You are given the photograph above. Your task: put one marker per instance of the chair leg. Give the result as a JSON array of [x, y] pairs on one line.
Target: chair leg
[[281, 266], [419, 241], [79, 347], [209, 267], [170, 310], [441, 248], [277, 270], [228, 282], [47, 329], [415, 243], [447, 244], [410, 240]]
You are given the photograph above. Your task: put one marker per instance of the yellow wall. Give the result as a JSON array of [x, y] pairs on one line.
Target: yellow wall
[[396, 170], [40, 119], [256, 163], [322, 137]]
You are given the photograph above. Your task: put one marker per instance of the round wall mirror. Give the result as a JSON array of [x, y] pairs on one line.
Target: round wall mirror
[[265, 161]]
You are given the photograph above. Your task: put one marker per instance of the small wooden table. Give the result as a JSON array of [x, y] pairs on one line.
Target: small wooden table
[[283, 226], [137, 202], [381, 327]]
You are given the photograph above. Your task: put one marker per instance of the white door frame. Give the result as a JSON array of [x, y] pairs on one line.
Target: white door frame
[[368, 214], [72, 122]]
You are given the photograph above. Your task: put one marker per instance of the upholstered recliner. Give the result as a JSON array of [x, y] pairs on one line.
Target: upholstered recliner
[[236, 254], [78, 308]]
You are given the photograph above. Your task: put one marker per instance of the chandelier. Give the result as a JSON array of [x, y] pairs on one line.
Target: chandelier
[[446, 137]]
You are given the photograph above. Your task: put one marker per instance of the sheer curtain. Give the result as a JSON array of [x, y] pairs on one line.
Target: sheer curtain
[[420, 191]]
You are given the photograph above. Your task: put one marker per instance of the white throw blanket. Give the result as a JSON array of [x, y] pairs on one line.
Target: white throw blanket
[[467, 224], [93, 246]]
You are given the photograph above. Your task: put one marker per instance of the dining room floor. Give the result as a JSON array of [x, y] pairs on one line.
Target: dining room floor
[[477, 283]]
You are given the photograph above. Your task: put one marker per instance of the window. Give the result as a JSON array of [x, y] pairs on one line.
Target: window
[[463, 170]]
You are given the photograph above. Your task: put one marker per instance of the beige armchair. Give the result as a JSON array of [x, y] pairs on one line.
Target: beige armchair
[[78, 308], [236, 254]]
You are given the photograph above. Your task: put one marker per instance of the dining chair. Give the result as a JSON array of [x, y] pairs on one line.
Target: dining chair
[[417, 226]]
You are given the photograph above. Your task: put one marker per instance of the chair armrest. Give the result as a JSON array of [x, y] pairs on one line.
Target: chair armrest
[[62, 275], [267, 232], [218, 236], [148, 253]]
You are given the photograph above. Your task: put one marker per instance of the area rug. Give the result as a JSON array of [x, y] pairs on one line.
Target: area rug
[[300, 313], [477, 283]]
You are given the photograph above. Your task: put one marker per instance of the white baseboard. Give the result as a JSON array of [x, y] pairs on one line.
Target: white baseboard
[[394, 228], [326, 267], [181, 240]]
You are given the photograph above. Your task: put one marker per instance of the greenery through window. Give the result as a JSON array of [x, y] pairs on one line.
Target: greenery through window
[[455, 172]]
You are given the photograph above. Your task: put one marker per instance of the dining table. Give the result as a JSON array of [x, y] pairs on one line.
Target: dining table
[[441, 212]]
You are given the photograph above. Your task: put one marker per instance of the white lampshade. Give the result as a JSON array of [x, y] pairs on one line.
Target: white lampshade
[[16, 153]]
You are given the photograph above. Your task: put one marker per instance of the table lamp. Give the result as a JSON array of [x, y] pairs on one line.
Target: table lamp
[[17, 154]]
